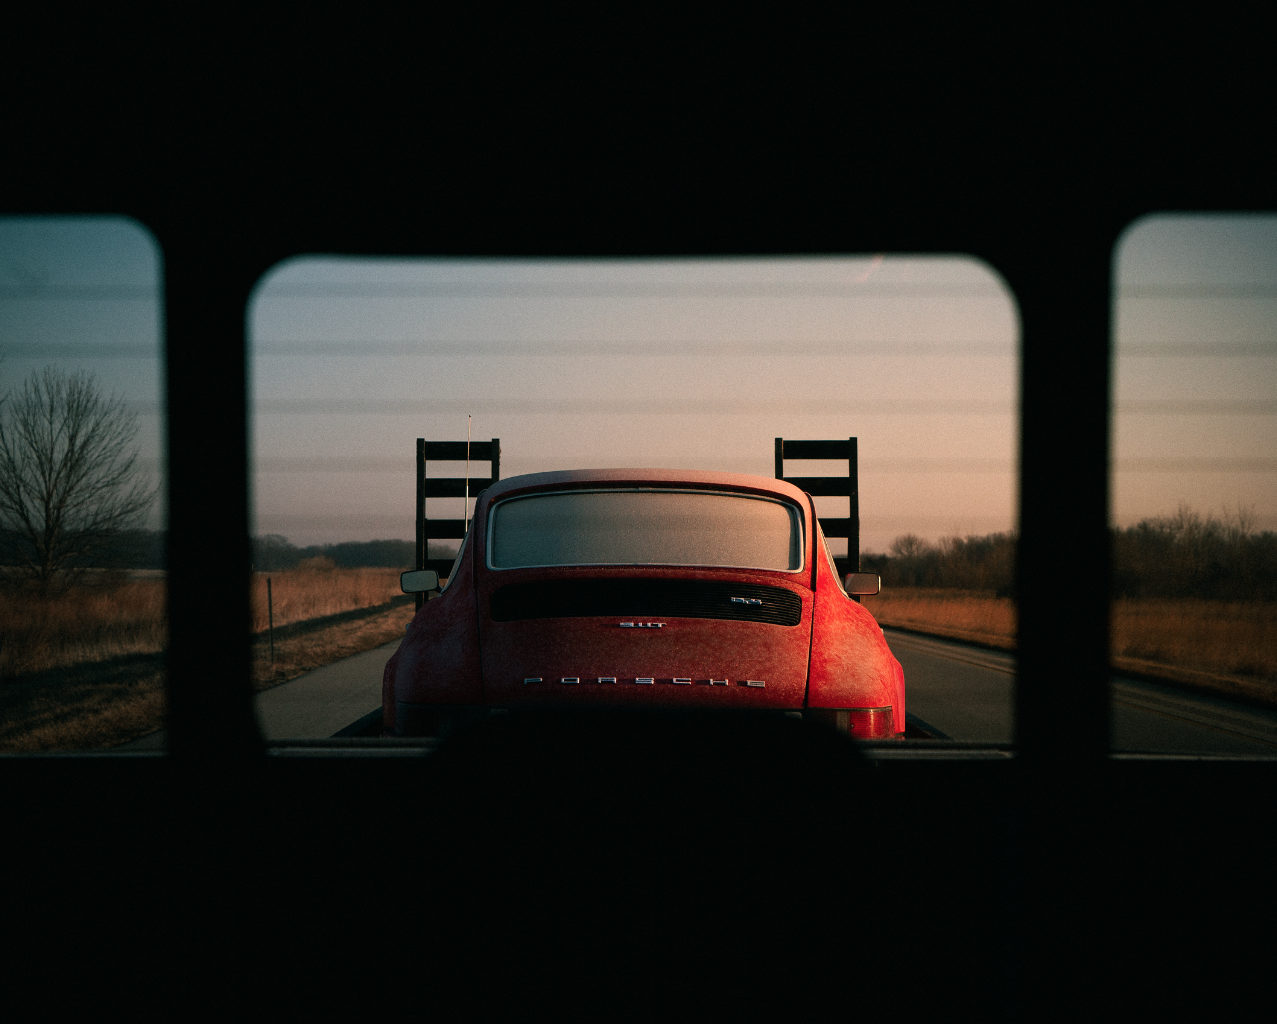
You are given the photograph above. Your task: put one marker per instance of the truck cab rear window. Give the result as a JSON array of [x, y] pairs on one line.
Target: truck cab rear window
[[630, 527]]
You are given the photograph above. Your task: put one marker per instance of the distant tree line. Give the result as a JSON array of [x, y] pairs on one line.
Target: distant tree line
[[144, 549], [958, 563], [1184, 555], [119, 549], [272, 552]]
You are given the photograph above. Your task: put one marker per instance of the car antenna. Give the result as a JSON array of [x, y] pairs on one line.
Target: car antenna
[[466, 508]]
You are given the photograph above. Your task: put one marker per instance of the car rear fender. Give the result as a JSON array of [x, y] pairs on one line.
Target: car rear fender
[[388, 693], [851, 665], [438, 660]]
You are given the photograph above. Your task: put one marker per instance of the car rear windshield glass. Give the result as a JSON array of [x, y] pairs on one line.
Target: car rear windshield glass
[[645, 528]]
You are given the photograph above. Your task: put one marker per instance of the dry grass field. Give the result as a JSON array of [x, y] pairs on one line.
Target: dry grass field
[[1223, 645], [84, 707], [1229, 647], [107, 617], [84, 669], [113, 616], [960, 614], [316, 588]]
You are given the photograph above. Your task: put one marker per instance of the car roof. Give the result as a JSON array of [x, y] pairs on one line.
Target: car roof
[[697, 479]]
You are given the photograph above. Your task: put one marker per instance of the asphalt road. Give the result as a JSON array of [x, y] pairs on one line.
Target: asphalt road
[[966, 693], [962, 692], [316, 705]]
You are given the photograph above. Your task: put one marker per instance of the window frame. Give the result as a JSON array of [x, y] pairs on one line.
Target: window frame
[[796, 517], [213, 263]]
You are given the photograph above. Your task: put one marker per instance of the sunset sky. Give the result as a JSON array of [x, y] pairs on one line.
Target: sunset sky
[[687, 363], [1195, 373]]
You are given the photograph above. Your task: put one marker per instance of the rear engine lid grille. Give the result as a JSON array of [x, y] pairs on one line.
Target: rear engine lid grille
[[695, 599]]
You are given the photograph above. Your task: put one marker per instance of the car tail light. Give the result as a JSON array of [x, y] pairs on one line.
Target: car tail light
[[858, 723]]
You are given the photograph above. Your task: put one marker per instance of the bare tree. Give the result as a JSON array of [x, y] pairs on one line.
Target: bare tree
[[68, 472], [909, 552]]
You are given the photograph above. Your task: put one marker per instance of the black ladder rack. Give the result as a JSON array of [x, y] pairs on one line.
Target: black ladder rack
[[448, 487], [825, 486]]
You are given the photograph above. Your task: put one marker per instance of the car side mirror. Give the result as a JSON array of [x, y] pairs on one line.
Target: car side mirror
[[862, 584], [418, 581]]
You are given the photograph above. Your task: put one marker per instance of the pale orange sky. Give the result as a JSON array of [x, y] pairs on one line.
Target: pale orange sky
[[677, 363], [1195, 371]]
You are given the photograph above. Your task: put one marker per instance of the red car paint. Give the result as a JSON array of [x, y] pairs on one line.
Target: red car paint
[[851, 665], [455, 653]]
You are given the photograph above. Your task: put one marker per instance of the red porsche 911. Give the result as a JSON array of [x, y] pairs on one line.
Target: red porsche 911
[[644, 589]]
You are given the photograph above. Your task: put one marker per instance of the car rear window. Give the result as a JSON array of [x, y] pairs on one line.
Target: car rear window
[[645, 527]]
